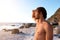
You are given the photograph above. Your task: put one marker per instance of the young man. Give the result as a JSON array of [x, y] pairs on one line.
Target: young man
[[44, 31]]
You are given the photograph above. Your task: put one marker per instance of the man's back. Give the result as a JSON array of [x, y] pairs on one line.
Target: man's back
[[43, 31]]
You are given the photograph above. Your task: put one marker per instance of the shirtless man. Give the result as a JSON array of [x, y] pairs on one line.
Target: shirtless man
[[44, 31]]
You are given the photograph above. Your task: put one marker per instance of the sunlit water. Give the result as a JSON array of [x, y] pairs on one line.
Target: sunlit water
[[9, 27]]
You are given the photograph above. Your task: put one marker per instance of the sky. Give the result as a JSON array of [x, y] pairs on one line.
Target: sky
[[20, 11]]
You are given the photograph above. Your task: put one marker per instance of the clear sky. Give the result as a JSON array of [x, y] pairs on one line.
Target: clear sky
[[21, 10]]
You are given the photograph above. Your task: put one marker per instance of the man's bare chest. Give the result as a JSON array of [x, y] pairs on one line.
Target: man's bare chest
[[39, 29]]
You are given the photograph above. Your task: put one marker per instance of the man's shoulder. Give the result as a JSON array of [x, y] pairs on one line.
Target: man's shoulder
[[47, 24]]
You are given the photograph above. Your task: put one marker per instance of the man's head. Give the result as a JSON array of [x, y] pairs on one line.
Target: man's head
[[39, 12]]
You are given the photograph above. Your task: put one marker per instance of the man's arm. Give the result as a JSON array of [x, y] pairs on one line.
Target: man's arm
[[49, 31]]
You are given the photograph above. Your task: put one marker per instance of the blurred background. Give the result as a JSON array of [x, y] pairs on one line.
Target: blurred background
[[16, 21]]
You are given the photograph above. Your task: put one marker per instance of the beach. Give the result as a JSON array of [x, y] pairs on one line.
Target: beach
[[28, 34]]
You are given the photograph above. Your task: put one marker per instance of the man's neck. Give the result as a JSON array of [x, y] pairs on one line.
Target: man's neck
[[39, 20]]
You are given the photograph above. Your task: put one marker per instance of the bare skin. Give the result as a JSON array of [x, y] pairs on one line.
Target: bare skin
[[44, 30]]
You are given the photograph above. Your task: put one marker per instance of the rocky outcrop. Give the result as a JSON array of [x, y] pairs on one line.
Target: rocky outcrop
[[55, 17], [27, 25], [57, 30], [15, 31]]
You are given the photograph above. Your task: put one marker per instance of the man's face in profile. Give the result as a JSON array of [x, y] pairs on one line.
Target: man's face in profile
[[36, 14]]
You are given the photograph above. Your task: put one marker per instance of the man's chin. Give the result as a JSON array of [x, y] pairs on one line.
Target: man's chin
[[37, 18]]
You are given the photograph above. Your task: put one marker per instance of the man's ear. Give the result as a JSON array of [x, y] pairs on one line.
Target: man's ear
[[41, 14]]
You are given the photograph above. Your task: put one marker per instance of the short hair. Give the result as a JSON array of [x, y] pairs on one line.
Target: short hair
[[43, 10]]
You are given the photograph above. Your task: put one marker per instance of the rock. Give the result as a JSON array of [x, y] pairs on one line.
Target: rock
[[15, 31], [57, 30], [58, 36], [21, 26], [28, 25], [6, 30]]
